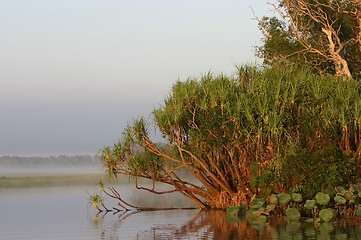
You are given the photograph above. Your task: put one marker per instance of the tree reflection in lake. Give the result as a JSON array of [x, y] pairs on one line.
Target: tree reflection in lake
[[207, 225]]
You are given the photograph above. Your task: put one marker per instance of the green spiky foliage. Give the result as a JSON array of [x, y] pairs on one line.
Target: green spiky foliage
[[247, 135]]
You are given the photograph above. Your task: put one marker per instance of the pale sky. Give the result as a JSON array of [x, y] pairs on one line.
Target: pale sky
[[73, 73]]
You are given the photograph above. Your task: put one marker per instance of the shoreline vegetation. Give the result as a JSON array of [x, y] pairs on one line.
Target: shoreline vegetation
[[280, 139], [252, 139]]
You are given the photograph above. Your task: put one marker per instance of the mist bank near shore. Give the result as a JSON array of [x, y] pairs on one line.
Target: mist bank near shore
[[51, 161], [50, 180], [14, 166]]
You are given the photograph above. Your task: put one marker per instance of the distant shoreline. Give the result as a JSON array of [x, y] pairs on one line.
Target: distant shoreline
[[50, 180]]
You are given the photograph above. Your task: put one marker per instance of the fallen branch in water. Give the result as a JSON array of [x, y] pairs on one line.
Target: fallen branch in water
[[129, 207]]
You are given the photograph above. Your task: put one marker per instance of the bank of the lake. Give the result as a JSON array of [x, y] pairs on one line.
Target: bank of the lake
[[53, 203], [63, 212]]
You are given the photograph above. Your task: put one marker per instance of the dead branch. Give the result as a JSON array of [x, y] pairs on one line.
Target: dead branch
[[295, 13]]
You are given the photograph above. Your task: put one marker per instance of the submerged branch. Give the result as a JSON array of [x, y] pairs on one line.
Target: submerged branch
[[115, 195]]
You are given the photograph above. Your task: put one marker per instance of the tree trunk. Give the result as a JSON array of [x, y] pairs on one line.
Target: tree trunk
[[341, 65], [358, 16]]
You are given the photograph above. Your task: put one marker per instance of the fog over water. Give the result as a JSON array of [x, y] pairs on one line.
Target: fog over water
[[12, 166], [74, 73]]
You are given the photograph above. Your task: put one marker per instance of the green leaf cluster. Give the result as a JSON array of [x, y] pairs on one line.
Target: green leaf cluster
[[253, 133]]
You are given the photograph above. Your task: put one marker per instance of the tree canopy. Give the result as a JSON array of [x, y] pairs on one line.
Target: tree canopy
[[322, 34], [260, 131], [247, 135]]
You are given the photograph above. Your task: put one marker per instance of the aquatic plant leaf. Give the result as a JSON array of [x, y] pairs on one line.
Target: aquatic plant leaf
[[340, 200], [270, 207], [273, 199], [341, 190], [292, 214], [262, 219], [326, 214], [232, 210], [330, 191], [356, 188], [347, 195], [250, 216], [284, 198], [322, 198], [310, 204], [257, 203], [352, 200], [296, 197], [293, 227], [258, 213]]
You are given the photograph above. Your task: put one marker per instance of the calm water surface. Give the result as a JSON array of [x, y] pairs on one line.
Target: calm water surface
[[63, 212]]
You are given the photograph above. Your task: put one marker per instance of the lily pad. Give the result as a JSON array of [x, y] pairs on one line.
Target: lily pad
[[326, 214], [270, 207], [273, 199], [330, 191], [352, 200], [262, 219], [296, 197], [310, 204], [250, 216], [356, 188], [347, 195], [257, 203], [340, 200], [292, 214], [341, 190], [284, 198], [258, 213], [322, 198]]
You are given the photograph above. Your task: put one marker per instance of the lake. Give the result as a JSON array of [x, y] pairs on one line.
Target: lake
[[63, 212]]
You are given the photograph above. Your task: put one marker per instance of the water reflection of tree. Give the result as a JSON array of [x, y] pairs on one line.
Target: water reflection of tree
[[214, 225], [205, 225]]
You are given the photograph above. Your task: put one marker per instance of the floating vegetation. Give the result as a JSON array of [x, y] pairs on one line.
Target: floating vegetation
[[322, 208]]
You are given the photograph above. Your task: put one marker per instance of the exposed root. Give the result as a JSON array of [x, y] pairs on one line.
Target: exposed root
[[129, 207], [224, 199]]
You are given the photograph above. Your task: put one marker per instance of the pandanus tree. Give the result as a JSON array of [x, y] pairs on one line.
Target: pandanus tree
[[245, 135], [201, 121]]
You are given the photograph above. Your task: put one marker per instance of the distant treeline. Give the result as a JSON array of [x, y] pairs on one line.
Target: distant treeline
[[52, 161]]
